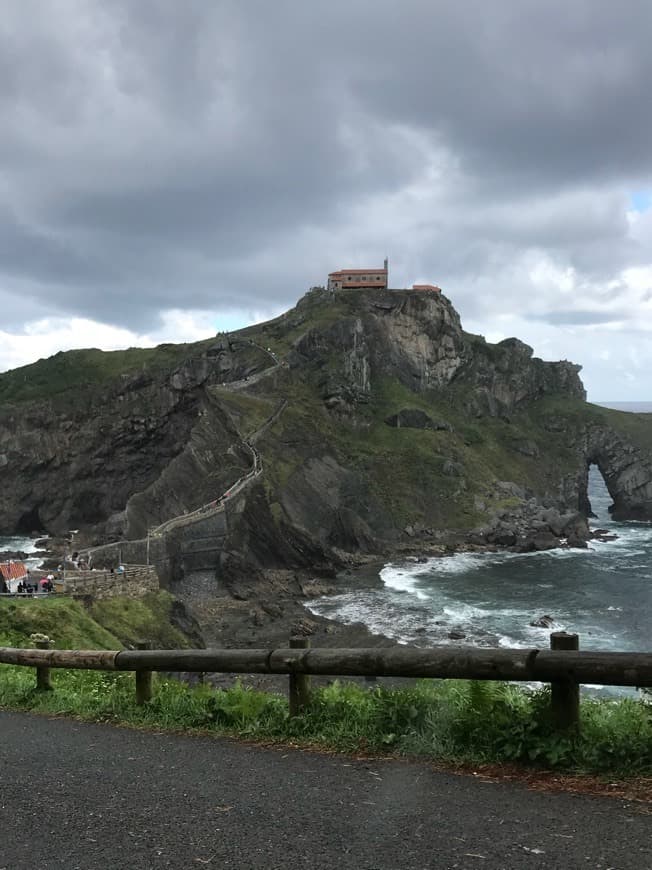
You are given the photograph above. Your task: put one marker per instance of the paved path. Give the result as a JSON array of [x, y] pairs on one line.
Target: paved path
[[92, 797]]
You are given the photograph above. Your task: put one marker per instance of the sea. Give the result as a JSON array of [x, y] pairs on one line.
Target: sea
[[604, 593]]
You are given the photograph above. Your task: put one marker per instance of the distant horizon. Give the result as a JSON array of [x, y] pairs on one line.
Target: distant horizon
[[617, 405]]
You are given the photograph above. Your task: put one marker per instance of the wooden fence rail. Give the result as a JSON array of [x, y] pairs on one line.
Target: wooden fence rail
[[563, 667]]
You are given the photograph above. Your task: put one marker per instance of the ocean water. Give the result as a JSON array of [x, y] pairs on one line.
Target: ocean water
[[24, 545], [603, 593], [632, 407]]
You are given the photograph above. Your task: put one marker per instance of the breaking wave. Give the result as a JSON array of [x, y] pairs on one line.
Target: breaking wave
[[490, 599]]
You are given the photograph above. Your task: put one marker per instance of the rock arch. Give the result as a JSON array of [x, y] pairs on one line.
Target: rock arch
[[626, 470]]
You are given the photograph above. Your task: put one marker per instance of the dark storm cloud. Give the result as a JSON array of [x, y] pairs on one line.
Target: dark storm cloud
[[550, 91], [159, 155]]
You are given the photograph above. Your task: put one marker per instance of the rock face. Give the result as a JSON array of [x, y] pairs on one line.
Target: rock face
[[414, 418], [627, 471], [378, 422], [417, 339], [86, 458]]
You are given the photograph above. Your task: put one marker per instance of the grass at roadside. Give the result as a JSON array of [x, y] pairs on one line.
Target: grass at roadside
[[449, 721]]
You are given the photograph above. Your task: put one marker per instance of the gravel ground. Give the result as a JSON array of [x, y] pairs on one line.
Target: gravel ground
[[93, 797]]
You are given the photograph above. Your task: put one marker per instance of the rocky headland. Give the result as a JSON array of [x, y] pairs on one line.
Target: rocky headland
[[354, 427]]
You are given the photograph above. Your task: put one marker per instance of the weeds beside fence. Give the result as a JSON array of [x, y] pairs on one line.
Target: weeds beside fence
[[450, 721], [564, 666]]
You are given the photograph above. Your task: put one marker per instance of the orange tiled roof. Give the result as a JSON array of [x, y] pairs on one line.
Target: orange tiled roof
[[13, 570], [358, 272]]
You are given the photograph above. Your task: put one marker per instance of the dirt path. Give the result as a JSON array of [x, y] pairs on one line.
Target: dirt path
[[91, 797]]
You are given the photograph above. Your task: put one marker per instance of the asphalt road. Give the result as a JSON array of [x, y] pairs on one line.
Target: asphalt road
[[92, 797]]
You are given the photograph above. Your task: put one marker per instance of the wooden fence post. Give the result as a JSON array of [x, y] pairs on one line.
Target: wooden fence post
[[299, 695], [565, 697], [143, 679], [42, 671]]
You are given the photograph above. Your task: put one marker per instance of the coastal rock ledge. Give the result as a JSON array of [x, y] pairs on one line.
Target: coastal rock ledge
[[320, 436]]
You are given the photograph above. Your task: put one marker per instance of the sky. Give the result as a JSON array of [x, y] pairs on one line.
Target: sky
[[169, 170]]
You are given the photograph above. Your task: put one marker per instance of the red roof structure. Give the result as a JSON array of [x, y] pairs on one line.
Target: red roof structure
[[13, 570], [342, 272], [359, 279]]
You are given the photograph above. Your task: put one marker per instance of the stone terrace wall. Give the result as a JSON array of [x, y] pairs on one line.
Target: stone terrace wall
[[134, 552], [136, 581], [200, 542]]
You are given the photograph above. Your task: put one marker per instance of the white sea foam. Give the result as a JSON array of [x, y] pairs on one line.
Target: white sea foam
[[459, 563], [492, 597], [459, 612], [507, 642], [15, 542], [402, 580], [405, 577]]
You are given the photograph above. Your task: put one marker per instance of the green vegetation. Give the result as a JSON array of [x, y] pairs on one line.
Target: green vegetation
[[75, 369], [134, 619], [249, 412], [109, 624], [66, 621], [450, 721]]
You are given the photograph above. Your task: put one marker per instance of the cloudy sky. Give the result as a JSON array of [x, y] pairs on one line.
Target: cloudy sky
[[172, 169]]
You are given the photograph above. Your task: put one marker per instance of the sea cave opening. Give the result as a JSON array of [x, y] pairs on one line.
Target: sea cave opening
[[595, 500], [30, 523]]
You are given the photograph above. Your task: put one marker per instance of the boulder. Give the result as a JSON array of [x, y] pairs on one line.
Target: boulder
[[527, 448], [504, 536], [524, 544], [576, 543], [456, 634], [544, 621], [452, 469], [603, 535], [304, 627], [553, 520], [414, 418], [545, 541]]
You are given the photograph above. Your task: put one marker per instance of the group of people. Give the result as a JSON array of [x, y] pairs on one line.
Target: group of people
[[27, 587]]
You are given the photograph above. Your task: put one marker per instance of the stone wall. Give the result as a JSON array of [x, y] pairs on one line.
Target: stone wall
[[136, 581], [189, 547]]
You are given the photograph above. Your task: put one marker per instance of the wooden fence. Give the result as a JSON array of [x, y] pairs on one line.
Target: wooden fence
[[564, 666]]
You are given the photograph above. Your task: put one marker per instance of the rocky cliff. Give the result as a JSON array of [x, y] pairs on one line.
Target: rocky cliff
[[379, 423]]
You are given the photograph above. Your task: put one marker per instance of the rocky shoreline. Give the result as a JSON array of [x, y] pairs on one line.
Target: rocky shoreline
[[264, 612]]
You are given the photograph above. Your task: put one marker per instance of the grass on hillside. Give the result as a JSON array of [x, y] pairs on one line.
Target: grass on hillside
[[450, 721], [76, 369], [113, 623], [249, 412]]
